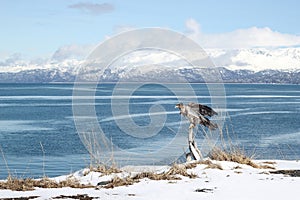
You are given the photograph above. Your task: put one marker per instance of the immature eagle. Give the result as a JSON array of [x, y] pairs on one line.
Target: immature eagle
[[196, 114]]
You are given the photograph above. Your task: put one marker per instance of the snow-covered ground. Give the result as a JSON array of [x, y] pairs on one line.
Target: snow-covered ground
[[235, 181]]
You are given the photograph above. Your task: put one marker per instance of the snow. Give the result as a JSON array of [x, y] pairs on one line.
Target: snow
[[253, 59], [257, 59], [235, 181], [70, 65]]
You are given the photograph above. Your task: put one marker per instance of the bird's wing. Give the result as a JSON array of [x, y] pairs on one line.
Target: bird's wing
[[191, 112], [202, 109]]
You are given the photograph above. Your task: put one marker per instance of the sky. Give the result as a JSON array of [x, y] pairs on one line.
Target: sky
[[33, 29]]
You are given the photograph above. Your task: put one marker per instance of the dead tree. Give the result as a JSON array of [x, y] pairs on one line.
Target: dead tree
[[196, 114]]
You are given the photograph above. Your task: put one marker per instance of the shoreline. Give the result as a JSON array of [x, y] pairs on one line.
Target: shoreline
[[230, 181]]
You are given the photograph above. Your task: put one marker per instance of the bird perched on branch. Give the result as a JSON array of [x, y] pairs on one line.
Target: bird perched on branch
[[196, 114]]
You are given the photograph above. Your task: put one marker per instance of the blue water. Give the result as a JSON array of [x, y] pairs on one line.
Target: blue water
[[38, 134]]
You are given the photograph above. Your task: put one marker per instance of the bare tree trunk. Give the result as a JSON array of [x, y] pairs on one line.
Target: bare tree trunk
[[194, 151]]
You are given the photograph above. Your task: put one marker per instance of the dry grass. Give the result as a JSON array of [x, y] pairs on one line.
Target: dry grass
[[154, 176], [105, 170], [117, 181], [29, 184], [227, 151], [73, 183], [17, 184], [209, 163], [171, 174], [180, 169], [235, 155]]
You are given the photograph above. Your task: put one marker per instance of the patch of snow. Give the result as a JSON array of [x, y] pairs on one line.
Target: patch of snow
[[235, 181]]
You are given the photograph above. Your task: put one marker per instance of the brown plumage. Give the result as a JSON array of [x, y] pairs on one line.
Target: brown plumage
[[197, 114]]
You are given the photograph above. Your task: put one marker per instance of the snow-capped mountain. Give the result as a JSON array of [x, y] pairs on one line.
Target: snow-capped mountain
[[259, 65], [257, 59]]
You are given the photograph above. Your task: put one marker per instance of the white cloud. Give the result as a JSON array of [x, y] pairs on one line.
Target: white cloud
[[12, 59], [194, 30], [93, 8], [66, 57], [241, 38], [72, 52]]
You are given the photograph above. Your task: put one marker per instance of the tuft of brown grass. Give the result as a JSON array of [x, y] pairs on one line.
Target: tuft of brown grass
[[105, 170], [73, 183], [117, 181], [154, 176], [29, 184], [235, 155], [171, 174], [180, 169], [191, 165], [17, 184], [209, 163]]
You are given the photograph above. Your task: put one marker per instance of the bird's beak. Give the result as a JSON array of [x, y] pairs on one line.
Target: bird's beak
[[176, 106]]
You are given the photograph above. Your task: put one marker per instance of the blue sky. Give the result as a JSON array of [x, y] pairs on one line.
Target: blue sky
[[37, 28]]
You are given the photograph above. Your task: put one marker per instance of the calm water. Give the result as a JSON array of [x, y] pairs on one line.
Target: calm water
[[38, 134]]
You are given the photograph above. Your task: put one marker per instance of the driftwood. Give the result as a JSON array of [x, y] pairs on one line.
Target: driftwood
[[195, 153]]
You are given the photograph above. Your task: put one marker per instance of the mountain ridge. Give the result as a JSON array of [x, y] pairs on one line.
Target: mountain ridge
[[256, 65], [228, 76]]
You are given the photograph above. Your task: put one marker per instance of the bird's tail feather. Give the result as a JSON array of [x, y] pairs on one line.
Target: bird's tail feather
[[212, 126], [207, 123]]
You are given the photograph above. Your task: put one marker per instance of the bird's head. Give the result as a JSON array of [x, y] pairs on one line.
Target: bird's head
[[179, 105]]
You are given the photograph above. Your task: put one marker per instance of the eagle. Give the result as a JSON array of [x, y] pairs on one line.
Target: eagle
[[197, 114]]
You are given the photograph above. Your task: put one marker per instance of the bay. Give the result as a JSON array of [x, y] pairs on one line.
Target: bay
[[38, 135]]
